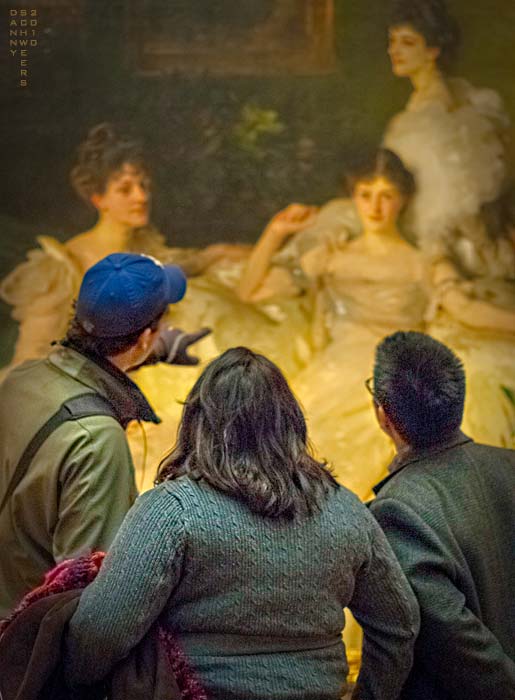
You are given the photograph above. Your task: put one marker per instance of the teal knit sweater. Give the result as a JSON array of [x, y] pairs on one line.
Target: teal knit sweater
[[257, 603]]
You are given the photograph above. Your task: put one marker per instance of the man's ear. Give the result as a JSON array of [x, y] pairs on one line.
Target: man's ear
[[382, 418], [145, 339]]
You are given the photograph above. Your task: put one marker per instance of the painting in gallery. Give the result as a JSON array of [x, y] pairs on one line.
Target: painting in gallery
[[242, 109]]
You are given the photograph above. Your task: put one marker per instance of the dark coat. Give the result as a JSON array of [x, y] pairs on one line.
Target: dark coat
[[449, 515], [31, 658]]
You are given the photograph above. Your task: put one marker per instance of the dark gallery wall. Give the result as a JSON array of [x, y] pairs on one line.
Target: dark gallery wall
[[227, 151]]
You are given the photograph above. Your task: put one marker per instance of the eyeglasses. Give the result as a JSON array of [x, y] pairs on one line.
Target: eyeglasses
[[369, 384]]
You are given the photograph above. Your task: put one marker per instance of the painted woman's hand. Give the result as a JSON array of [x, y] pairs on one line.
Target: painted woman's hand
[[294, 218]]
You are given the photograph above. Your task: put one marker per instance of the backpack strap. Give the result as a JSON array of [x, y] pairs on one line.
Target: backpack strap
[[81, 406]]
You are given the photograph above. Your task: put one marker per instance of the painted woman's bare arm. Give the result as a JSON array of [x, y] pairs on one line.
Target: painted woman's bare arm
[[288, 221], [459, 302]]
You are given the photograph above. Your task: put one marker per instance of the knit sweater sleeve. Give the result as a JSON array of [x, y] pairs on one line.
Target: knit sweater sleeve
[[136, 580], [386, 608]]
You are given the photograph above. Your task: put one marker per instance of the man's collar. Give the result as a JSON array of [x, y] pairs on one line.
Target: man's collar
[[408, 455], [98, 373]]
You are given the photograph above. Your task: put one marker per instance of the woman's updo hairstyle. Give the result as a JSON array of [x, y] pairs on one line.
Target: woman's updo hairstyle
[[103, 153], [431, 19], [380, 162]]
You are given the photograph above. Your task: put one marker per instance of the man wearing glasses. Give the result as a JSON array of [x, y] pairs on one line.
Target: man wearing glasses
[[448, 510]]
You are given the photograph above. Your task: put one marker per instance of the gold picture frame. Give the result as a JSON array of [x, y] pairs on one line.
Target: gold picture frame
[[252, 38]]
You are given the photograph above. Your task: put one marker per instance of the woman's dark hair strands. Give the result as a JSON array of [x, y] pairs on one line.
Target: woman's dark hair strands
[[243, 432]]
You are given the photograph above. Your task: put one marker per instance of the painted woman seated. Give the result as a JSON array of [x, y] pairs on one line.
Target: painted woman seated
[[113, 177], [366, 286]]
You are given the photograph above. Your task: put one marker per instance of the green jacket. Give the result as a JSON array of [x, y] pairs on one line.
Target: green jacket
[[80, 483]]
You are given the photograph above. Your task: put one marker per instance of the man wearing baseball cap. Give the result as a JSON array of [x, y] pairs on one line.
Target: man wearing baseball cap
[[66, 473]]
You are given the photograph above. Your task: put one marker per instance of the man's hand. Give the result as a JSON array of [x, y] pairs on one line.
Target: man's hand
[[172, 346]]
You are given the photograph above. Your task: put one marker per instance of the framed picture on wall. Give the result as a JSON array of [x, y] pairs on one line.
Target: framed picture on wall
[[250, 37]]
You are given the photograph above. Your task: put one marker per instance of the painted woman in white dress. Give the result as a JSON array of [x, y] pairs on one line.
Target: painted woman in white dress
[[369, 285], [453, 137], [112, 176]]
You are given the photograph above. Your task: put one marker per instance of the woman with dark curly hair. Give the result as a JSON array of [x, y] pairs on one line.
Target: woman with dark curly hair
[[451, 135], [248, 551], [112, 176]]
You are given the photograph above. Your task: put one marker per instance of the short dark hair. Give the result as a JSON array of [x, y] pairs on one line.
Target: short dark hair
[[379, 162], [243, 432], [78, 338], [420, 383], [431, 19], [102, 154]]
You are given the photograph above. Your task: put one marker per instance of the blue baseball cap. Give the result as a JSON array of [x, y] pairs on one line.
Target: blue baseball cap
[[125, 292]]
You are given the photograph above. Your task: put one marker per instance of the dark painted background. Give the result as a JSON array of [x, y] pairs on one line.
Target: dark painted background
[[227, 152]]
